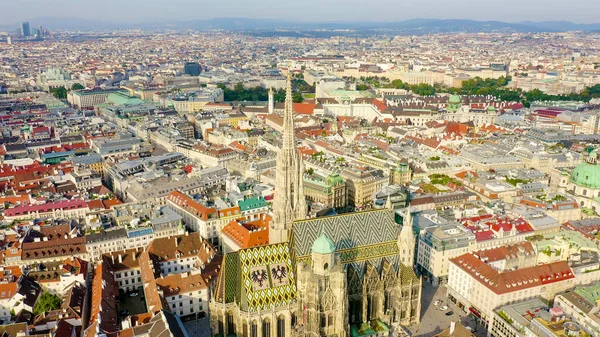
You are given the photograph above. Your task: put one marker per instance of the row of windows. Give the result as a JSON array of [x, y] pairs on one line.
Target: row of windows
[[126, 283], [128, 273], [173, 298]]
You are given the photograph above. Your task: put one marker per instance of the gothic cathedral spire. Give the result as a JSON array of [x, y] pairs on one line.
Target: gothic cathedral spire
[[406, 239], [289, 203]]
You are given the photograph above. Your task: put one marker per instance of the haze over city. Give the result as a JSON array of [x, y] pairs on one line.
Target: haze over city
[[580, 11]]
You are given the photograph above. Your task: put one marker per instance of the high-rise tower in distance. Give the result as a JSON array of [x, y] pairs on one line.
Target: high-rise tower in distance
[[192, 68], [25, 30]]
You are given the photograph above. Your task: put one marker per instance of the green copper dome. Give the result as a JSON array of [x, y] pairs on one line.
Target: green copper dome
[[323, 245], [491, 108], [455, 99], [586, 175], [335, 179]]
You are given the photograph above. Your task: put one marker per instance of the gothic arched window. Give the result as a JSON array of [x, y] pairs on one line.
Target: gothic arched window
[[281, 326]]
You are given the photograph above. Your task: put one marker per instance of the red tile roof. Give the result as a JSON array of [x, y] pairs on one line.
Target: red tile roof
[[95, 204], [183, 283], [458, 128], [108, 203], [104, 304], [190, 205], [381, 106], [231, 211], [505, 252], [304, 108], [513, 280], [53, 248], [247, 234]]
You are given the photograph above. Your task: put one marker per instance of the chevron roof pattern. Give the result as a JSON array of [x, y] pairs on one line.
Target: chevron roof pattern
[[360, 238], [346, 230]]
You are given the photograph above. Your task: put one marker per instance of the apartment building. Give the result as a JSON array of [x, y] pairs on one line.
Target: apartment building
[[208, 156], [132, 236], [64, 209], [362, 185], [479, 287], [86, 99], [581, 305], [531, 317], [437, 245], [184, 267], [186, 293], [330, 191], [125, 265], [205, 220]]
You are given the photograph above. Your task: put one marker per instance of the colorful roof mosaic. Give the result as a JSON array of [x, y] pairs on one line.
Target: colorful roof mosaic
[[258, 278]]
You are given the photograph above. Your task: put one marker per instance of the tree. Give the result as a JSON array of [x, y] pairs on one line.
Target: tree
[[60, 92], [396, 84], [279, 95], [77, 86], [297, 97], [362, 87], [46, 302], [423, 89]]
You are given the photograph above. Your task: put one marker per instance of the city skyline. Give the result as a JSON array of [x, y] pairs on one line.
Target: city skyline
[[308, 11], [210, 173]]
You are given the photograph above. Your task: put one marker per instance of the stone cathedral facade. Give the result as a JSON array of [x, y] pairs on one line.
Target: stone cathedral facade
[[338, 276], [352, 279]]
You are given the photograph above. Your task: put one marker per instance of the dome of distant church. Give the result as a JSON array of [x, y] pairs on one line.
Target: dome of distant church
[[586, 175], [491, 108], [454, 99], [323, 245]]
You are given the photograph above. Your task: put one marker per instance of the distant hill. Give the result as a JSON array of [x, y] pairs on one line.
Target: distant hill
[[413, 26], [561, 26]]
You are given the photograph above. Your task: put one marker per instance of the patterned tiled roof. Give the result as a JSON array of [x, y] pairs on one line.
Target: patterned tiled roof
[[359, 237], [258, 278]]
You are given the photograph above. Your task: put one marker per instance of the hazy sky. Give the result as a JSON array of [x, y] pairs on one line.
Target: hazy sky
[[582, 11]]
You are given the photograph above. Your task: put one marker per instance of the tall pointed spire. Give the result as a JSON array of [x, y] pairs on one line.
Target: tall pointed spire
[[289, 203], [288, 117], [406, 239]]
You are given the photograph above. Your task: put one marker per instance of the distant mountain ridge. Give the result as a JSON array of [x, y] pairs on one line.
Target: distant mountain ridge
[[412, 26]]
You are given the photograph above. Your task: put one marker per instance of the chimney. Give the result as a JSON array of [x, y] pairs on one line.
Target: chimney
[[452, 325], [120, 258], [133, 255], [176, 242]]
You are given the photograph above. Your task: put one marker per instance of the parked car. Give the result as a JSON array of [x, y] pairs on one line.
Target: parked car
[[436, 303], [444, 308], [450, 313], [133, 294], [124, 312]]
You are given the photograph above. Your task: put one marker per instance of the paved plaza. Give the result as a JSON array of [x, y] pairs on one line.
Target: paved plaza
[[434, 320], [198, 328]]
